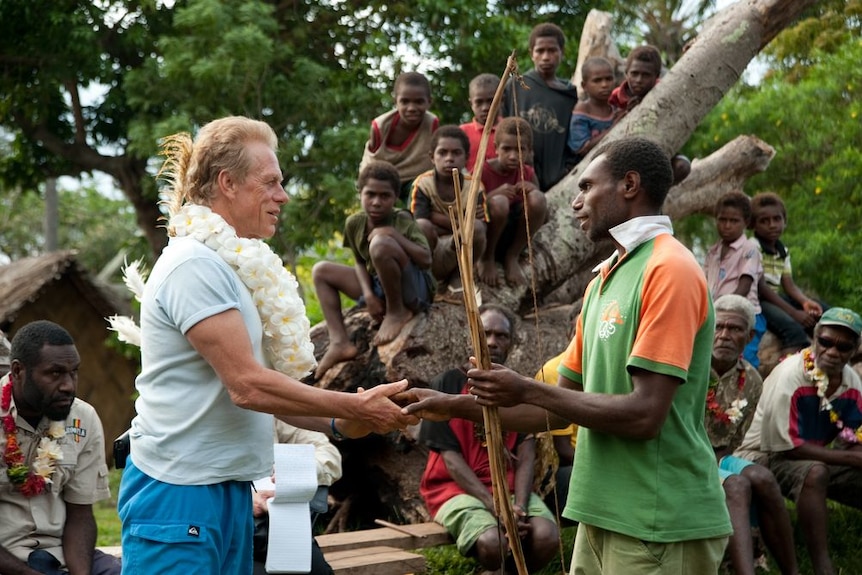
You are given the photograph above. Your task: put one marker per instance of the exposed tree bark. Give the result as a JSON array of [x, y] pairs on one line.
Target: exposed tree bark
[[130, 173], [596, 40], [668, 114], [725, 170]]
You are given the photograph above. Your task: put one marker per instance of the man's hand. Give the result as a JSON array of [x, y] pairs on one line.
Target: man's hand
[[258, 501], [812, 308], [804, 318], [497, 387], [424, 403], [375, 306], [523, 522], [380, 412]]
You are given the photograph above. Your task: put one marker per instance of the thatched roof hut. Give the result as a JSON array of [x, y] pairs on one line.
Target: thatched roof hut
[[55, 287]]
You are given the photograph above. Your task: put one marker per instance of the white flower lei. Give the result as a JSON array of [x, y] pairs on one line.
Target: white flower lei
[[816, 376], [274, 289], [735, 411]]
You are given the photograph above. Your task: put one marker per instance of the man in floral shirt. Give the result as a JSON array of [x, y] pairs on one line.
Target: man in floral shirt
[[734, 390], [807, 428]]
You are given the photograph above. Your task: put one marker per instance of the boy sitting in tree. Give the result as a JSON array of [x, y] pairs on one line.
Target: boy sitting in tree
[[593, 117], [733, 264], [391, 272], [482, 89], [508, 182], [643, 68], [788, 311], [433, 193], [402, 136]]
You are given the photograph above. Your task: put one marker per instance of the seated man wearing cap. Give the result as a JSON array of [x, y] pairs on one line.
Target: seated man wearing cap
[[808, 426]]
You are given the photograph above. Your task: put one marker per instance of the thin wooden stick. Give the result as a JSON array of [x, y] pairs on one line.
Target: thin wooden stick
[[463, 220]]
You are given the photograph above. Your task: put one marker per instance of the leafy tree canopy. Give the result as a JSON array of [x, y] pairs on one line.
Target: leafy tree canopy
[[812, 115], [318, 72]]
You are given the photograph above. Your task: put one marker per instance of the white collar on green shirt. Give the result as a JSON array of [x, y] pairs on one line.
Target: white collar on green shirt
[[632, 233]]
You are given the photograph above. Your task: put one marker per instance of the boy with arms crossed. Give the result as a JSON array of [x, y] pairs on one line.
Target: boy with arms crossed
[[433, 193], [508, 181], [391, 272], [593, 117]]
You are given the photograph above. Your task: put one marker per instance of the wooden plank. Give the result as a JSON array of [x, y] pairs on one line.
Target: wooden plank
[[424, 535], [377, 560]]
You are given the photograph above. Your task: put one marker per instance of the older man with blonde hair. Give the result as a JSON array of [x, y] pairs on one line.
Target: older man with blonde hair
[[224, 342]]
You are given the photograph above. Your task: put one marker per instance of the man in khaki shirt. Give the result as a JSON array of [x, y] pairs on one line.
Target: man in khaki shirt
[[52, 467]]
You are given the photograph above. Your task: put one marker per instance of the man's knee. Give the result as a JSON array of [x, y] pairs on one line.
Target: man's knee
[[761, 478], [489, 549], [817, 478], [737, 489]]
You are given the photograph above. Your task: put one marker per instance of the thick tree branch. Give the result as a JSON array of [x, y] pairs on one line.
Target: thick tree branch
[[724, 170]]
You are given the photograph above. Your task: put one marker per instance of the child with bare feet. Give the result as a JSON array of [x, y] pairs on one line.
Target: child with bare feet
[[511, 185], [391, 274], [433, 193], [481, 95], [593, 117]]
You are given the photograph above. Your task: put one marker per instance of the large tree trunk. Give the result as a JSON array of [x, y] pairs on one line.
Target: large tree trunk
[[128, 171], [563, 257]]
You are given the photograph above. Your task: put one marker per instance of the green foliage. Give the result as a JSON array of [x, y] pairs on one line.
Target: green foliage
[[105, 512], [318, 72], [812, 118], [331, 251], [95, 225]]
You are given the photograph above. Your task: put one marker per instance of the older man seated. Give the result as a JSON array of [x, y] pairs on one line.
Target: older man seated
[[808, 425], [734, 391]]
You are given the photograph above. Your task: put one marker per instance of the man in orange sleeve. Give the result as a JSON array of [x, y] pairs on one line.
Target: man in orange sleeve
[[645, 487]]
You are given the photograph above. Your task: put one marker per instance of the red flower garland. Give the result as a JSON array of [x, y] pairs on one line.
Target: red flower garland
[[22, 477], [712, 404]]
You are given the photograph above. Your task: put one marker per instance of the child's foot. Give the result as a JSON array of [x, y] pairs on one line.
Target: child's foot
[[487, 272], [513, 272], [336, 353], [391, 326]]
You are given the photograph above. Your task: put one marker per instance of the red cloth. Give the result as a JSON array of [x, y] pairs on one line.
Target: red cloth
[[437, 486], [492, 179], [474, 132]]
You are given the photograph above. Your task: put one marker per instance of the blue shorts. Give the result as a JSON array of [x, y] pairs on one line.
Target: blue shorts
[[416, 288], [731, 465], [188, 529]]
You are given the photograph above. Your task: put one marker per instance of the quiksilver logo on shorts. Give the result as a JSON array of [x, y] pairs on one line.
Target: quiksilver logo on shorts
[[194, 531]]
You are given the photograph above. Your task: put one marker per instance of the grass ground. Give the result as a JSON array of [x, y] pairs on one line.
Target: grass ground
[[845, 533]]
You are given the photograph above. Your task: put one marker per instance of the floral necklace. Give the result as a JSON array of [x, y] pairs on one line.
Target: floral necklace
[[821, 382], [733, 413], [30, 481], [274, 289]]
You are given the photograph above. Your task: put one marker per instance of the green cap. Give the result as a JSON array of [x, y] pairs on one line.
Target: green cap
[[843, 317]]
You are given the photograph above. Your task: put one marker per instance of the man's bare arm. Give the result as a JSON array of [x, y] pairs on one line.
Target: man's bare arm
[[79, 538]]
